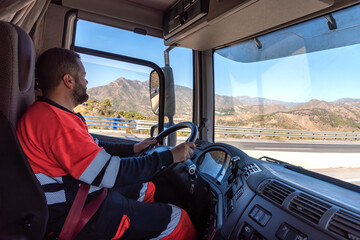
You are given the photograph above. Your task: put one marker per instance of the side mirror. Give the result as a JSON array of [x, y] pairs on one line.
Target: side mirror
[[154, 91], [169, 110]]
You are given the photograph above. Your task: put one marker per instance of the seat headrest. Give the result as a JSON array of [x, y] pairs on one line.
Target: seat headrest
[[17, 62]]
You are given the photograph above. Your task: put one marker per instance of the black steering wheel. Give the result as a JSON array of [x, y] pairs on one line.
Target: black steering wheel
[[174, 128], [152, 148]]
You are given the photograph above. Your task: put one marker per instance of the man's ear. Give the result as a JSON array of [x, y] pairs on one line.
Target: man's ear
[[69, 81]]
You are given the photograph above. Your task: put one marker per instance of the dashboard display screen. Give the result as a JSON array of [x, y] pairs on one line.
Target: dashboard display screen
[[214, 163]]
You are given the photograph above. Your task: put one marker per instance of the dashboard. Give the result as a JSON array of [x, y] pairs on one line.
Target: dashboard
[[268, 199]]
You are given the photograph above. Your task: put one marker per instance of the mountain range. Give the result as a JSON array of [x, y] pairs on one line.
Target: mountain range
[[127, 95], [314, 115]]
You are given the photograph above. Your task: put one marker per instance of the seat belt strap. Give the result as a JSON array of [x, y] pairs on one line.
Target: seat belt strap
[[77, 216], [74, 214], [90, 210]]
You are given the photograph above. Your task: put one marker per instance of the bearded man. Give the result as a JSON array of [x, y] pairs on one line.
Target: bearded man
[[63, 154]]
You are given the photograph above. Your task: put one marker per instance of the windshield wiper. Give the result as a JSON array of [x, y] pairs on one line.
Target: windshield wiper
[[286, 165], [273, 160]]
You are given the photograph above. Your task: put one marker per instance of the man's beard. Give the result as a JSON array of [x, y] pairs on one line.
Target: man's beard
[[79, 94]]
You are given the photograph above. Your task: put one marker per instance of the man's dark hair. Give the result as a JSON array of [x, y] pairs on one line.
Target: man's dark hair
[[52, 65]]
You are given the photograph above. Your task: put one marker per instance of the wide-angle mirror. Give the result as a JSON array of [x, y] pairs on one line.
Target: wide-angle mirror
[[154, 91], [169, 106]]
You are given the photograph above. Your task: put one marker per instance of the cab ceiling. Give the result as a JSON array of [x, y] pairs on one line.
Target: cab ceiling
[[226, 22], [126, 14]]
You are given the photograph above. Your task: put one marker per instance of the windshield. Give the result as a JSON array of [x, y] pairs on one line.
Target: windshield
[[293, 95], [119, 103]]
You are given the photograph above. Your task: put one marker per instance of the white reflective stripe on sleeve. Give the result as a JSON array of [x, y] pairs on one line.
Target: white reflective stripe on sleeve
[[175, 219], [58, 179], [44, 179], [142, 192], [96, 141], [111, 173], [94, 189], [95, 167], [55, 197]]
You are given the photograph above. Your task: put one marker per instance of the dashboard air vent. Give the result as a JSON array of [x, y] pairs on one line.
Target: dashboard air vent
[[308, 207], [250, 169], [345, 224], [276, 191]]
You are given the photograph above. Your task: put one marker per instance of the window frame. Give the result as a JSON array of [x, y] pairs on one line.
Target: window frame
[[69, 42]]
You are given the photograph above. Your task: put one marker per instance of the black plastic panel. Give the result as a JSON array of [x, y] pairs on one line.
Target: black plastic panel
[[279, 217]]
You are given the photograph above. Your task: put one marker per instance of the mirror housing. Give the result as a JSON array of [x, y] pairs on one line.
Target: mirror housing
[[154, 82], [154, 87]]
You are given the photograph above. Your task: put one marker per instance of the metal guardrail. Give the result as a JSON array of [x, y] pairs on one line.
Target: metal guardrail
[[286, 133], [230, 130], [116, 123], [113, 123], [146, 125]]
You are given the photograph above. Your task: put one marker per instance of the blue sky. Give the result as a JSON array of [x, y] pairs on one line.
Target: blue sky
[[109, 39], [327, 75]]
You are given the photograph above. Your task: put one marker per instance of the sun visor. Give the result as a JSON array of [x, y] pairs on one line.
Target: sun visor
[[341, 28]]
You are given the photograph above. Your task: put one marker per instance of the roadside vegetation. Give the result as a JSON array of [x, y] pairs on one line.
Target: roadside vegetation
[[104, 109], [97, 108], [317, 120]]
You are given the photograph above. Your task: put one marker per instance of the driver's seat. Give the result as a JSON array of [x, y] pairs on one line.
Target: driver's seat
[[23, 208]]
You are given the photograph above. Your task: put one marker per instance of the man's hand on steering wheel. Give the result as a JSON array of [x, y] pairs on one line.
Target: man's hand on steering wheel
[[139, 147], [193, 135], [183, 151]]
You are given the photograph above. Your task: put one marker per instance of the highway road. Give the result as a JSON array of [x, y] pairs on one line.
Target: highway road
[[337, 160], [314, 147], [351, 175]]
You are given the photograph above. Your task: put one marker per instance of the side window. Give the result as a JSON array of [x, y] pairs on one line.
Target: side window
[[119, 101], [182, 65]]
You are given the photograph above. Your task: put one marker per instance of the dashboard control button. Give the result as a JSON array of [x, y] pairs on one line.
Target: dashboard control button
[[265, 219], [256, 236], [300, 237], [286, 232], [246, 232], [239, 193], [229, 206], [249, 233], [291, 235], [260, 215], [282, 231], [254, 212]]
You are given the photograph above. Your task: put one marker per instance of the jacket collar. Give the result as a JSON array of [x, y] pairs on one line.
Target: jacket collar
[[51, 102]]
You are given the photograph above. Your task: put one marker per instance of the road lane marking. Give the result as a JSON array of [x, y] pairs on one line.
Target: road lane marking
[[352, 180], [272, 148]]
